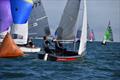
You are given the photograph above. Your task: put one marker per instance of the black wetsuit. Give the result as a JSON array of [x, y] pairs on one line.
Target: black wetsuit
[[46, 46], [59, 46], [31, 44]]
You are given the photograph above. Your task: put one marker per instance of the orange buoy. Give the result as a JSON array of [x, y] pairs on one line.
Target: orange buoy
[[8, 48]]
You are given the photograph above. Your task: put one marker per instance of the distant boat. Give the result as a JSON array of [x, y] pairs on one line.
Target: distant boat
[[65, 31], [21, 10], [90, 35], [108, 36], [8, 48], [38, 21]]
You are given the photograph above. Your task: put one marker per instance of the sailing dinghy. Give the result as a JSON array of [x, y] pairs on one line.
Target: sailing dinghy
[[68, 20], [108, 36], [90, 36], [8, 48], [21, 10]]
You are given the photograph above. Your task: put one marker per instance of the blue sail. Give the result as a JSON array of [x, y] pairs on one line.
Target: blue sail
[[21, 10]]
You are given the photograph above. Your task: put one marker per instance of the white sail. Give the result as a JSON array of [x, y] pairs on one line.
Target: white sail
[[83, 39], [20, 33]]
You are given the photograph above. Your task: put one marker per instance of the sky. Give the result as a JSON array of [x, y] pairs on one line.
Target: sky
[[99, 13]]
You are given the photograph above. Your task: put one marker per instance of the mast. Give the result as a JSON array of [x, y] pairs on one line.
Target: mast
[[38, 21], [83, 39]]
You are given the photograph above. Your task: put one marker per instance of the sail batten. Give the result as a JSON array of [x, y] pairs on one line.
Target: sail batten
[[38, 22], [66, 28]]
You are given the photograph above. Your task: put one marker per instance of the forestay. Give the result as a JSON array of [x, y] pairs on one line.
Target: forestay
[[38, 22]]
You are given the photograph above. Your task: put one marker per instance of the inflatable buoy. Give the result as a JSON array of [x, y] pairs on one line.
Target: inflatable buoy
[[8, 48]]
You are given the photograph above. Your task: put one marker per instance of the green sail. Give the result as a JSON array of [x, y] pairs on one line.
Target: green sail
[[108, 34]]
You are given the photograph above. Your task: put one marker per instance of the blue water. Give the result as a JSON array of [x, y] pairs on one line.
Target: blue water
[[100, 63]]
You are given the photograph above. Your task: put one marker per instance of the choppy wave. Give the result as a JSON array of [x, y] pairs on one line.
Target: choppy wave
[[100, 63]]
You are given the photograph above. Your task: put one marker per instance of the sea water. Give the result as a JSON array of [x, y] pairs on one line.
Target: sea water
[[101, 62]]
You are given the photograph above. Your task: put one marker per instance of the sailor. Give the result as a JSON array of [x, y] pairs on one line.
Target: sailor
[[46, 45], [59, 46], [30, 43]]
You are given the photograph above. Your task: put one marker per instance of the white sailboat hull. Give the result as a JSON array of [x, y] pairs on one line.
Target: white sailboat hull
[[28, 49]]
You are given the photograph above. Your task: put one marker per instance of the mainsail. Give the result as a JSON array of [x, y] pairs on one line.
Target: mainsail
[[66, 28], [5, 18], [38, 22], [108, 36], [20, 11], [83, 39]]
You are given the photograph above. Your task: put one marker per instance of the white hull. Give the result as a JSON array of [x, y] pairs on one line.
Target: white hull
[[27, 49], [104, 41]]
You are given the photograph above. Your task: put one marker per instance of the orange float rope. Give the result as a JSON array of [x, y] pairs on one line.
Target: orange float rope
[[8, 48]]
